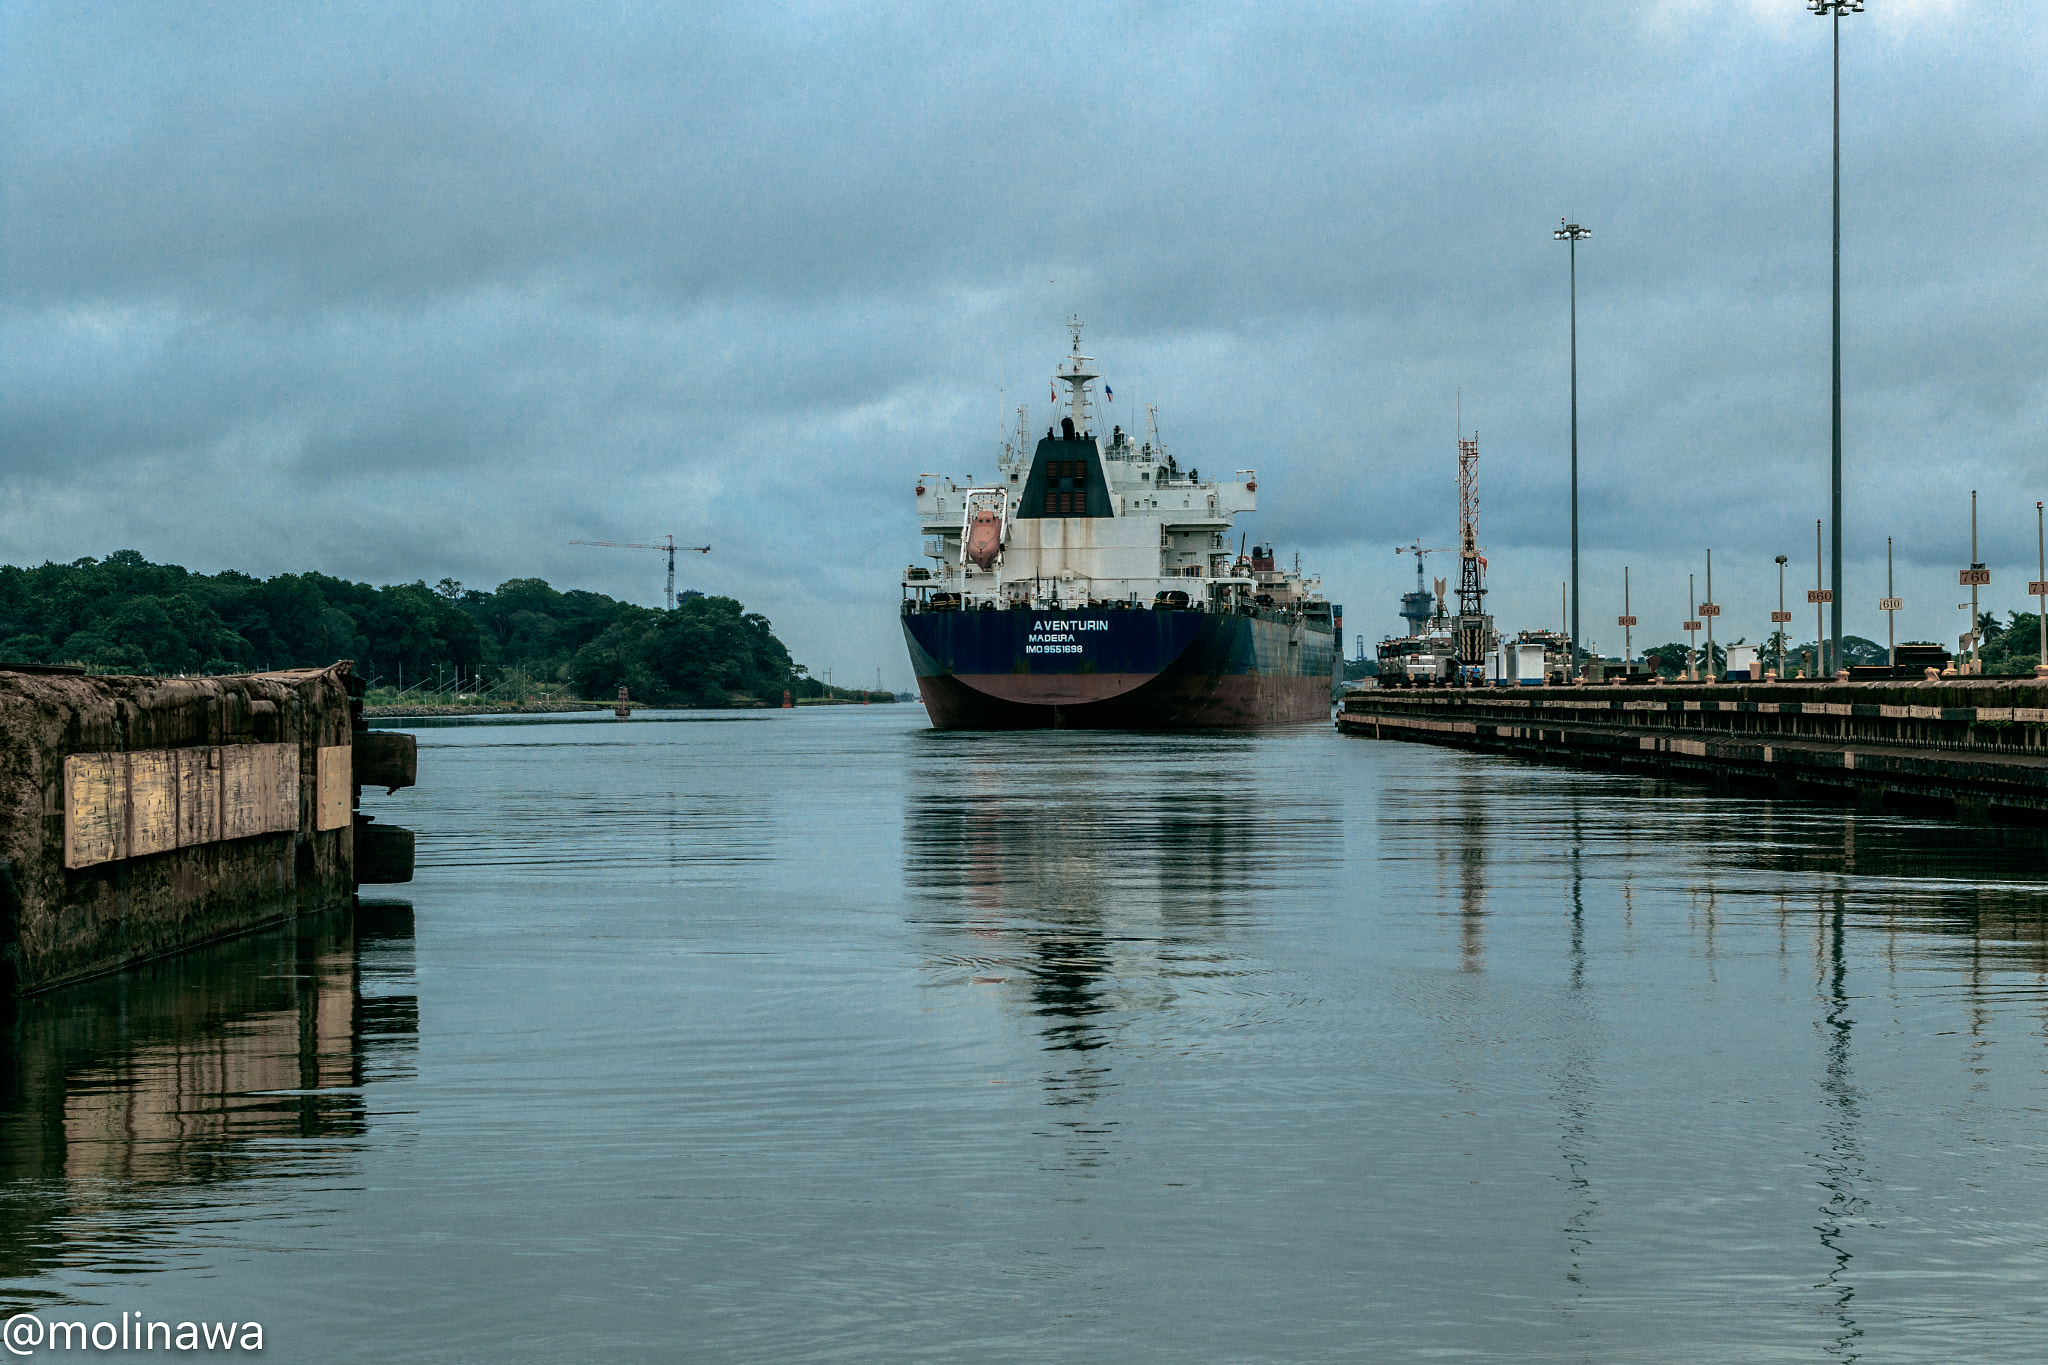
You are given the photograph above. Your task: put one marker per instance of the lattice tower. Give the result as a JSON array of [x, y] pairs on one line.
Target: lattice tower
[[1470, 590]]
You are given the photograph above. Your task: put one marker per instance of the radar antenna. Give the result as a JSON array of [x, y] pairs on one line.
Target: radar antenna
[[1076, 371]]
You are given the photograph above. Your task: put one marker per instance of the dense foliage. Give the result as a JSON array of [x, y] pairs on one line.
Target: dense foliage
[[125, 614], [2013, 648]]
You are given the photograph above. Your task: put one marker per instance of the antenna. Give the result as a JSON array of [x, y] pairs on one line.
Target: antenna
[[1075, 371]]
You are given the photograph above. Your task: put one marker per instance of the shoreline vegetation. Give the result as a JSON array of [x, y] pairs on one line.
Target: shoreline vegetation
[[567, 706], [521, 646]]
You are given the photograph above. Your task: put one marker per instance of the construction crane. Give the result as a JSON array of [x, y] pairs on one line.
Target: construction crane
[[667, 545], [1415, 608], [1475, 628]]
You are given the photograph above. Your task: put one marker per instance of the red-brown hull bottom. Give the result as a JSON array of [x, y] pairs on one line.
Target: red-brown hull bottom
[[1235, 702]]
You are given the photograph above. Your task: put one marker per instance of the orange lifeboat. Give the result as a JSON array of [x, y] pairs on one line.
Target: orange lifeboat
[[984, 538]]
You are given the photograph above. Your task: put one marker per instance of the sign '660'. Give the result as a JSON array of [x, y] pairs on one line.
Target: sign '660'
[[1820, 594]]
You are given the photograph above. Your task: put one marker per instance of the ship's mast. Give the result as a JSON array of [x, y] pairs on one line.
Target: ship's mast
[[1076, 370]]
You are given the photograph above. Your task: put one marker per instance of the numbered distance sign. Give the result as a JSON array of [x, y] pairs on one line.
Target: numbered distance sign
[[1692, 625], [1974, 578], [1820, 595], [1709, 609], [2039, 589], [1624, 620], [1781, 616], [1891, 604]]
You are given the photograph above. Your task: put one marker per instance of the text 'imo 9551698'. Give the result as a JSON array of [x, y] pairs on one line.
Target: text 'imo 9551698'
[[1093, 584]]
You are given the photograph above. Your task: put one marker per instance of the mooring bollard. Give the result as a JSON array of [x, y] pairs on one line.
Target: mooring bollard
[[623, 710]]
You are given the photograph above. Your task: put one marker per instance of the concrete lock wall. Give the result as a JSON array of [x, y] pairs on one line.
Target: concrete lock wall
[[139, 816]]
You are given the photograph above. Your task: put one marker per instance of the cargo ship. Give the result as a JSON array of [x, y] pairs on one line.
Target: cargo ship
[[1093, 584]]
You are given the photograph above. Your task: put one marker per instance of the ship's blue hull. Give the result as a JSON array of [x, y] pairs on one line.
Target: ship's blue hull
[[1119, 669]]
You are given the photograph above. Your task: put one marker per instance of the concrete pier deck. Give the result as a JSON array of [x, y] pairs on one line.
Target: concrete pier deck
[[1979, 745]]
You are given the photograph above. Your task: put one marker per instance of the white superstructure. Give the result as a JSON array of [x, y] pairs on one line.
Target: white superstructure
[[1084, 521]]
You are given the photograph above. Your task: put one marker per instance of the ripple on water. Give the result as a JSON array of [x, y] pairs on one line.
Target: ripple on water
[[816, 1034]]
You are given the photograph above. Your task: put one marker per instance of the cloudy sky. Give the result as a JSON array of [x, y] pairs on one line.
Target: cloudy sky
[[413, 290]]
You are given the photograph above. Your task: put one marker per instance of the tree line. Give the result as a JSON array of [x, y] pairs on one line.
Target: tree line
[[2010, 650], [123, 614]]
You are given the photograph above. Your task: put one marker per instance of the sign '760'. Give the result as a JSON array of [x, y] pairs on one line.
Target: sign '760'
[[1974, 578]]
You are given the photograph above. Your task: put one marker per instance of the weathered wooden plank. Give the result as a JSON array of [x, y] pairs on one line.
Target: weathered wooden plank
[[131, 805], [95, 812], [152, 788], [260, 789], [331, 802]]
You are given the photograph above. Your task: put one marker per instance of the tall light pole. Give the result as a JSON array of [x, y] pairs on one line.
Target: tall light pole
[[1573, 233], [1835, 9], [1781, 618], [2040, 587]]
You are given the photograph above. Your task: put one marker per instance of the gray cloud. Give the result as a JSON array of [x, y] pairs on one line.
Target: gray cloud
[[399, 293]]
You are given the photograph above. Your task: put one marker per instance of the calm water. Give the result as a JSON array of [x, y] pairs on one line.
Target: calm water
[[816, 1035]]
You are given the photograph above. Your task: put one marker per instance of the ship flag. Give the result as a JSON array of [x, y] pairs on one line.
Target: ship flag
[[1109, 393]]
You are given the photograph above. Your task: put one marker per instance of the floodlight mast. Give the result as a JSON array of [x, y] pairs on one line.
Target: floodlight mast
[[1835, 9], [1574, 234]]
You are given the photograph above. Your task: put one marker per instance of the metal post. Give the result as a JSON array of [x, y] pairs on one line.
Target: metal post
[[1692, 656], [1782, 619], [1976, 645], [1574, 655], [1571, 233], [1835, 578], [1834, 9], [1711, 673], [1820, 657], [1571, 646], [1891, 633], [1628, 651], [2041, 593]]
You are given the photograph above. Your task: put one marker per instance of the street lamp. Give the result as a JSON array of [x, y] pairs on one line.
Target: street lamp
[[1780, 618], [1573, 233], [1835, 9]]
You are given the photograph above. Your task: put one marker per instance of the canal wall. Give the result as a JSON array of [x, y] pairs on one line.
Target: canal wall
[[1979, 745], [140, 816]]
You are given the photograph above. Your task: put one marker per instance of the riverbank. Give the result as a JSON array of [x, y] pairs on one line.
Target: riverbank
[[407, 709]]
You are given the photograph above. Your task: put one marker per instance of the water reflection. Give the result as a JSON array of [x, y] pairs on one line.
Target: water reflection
[[1842, 1165], [1577, 1082], [123, 1100], [1040, 870]]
